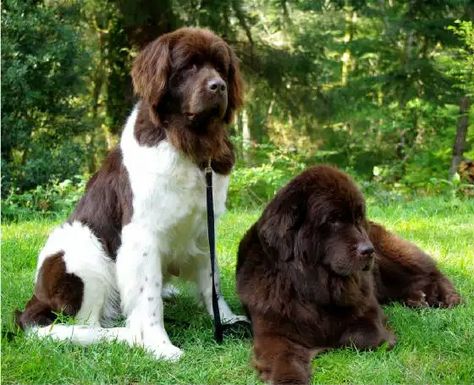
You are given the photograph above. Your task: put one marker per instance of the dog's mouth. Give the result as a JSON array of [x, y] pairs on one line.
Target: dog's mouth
[[347, 269], [206, 109], [342, 271], [214, 112], [369, 265]]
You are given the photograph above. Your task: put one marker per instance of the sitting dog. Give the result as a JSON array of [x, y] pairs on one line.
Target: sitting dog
[[143, 215], [312, 272]]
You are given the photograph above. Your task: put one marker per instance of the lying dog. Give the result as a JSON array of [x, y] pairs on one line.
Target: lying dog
[[143, 215], [313, 271]]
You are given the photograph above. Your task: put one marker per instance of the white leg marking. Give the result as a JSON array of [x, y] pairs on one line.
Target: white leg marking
[[139, 280]]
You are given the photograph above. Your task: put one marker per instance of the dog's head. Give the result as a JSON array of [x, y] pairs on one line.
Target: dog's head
[[319, 218], [190, 76]]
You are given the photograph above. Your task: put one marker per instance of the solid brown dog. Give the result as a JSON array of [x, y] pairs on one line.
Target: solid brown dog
[[312, 272]]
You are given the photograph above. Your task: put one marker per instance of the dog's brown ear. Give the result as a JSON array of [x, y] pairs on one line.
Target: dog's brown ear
[[235, 86], [278, 227], [150, 74]]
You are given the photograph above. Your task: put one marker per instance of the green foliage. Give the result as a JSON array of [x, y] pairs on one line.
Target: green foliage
[[252, 186], [460, 63], [362, 85], [42, 65], [56, 199]]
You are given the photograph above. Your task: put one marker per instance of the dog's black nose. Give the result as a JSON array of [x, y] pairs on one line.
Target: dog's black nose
[[216, 85], [366, 253], [365, 249]]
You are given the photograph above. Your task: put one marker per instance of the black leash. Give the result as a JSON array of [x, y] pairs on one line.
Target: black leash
[[218, 331]]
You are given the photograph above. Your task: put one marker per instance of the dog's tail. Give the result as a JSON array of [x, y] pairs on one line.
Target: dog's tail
[[83, 334], [38, 319]]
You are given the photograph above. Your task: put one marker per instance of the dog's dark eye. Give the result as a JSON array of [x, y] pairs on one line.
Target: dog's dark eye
[[335, 219], [183, 72], [222, 70], [191, 67]]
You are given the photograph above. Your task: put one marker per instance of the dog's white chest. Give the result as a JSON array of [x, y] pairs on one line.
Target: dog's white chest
[[169, 192]]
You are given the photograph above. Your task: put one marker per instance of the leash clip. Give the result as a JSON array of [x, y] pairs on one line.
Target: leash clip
[[208, 168]]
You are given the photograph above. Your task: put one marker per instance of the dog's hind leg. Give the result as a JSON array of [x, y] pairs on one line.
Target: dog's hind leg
[[74, 277], [403, 272], [35, 313]]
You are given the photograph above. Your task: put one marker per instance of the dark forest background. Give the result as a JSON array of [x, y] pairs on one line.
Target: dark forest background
[[381, 88]]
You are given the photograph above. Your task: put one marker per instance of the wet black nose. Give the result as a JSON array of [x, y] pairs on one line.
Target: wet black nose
[[365, 249], [366, 253], [216, 85]]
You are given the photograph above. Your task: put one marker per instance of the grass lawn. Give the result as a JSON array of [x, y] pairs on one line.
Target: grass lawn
[[434, 346]]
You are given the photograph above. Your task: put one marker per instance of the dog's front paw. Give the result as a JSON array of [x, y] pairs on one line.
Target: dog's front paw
[[417, 299], [390, 339], [165, 351], [169, 291], [450, 300]]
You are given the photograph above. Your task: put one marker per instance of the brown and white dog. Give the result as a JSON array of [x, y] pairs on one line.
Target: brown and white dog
[[143, 215], [312, 273]]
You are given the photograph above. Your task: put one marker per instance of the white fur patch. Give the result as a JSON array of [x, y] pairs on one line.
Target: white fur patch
[[85, 257], [167, 232]]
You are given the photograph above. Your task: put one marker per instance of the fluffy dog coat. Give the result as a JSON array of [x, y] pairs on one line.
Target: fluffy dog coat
[[313, 271], [143, 216]]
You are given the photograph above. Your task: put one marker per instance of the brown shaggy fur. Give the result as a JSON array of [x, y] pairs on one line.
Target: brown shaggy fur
[[312, 272], [56, 290], [171, 76], [189, 86]]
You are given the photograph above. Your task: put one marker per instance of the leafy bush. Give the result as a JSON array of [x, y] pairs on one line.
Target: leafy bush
[[254, 185], [255, 181], [42, 65], [55, 199]]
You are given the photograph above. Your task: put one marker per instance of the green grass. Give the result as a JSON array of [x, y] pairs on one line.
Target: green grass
[[434, 346]]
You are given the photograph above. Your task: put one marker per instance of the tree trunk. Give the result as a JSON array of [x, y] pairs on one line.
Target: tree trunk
[[98, 81], [246, 137], [461, 133], [347, 59]]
